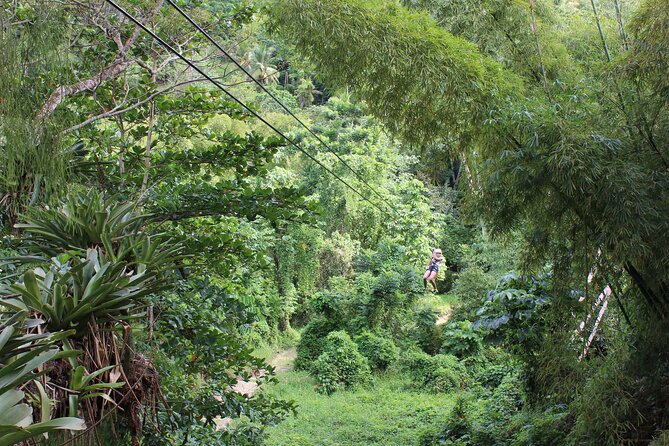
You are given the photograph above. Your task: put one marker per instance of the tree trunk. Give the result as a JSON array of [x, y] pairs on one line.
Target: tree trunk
[[152, 116]]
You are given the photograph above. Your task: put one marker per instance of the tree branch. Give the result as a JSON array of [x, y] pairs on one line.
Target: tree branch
[[118, 66], [114, 69], [119, 111]]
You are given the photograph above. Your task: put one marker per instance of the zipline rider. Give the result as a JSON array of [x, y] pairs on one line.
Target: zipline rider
[[433, 269]]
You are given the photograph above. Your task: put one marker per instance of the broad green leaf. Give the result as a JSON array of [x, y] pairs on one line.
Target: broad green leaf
[[9, 399], [19, 415], [6, 335], [45, 402], [65, 423]]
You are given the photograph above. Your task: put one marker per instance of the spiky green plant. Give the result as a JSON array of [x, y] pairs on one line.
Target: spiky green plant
[[84, 290], [97, 263], [23, 359]]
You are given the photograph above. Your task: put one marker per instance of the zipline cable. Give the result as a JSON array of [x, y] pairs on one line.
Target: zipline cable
[[238, 101], [277, 100]]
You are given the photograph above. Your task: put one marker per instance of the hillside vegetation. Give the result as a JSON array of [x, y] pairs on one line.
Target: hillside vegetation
[[216, 217]]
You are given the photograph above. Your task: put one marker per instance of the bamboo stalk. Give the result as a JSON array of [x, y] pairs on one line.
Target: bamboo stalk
[[621, 27], [601, 32], [538, 45]]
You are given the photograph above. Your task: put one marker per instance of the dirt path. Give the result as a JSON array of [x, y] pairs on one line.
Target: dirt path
[[444, 316], [282, 362]]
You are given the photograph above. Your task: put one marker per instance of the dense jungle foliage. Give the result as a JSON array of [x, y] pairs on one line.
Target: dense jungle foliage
[[240, 262]]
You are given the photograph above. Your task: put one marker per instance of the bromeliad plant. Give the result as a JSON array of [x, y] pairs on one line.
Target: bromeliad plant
[[100, 263], [97, 264], [22, 356], [92, 221], [83, 290], [21, 352], [82, 221]]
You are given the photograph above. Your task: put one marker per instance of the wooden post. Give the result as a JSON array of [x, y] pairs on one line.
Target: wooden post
[[603, 297]]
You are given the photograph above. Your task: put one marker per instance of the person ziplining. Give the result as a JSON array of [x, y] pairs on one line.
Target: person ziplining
[[433, 269]]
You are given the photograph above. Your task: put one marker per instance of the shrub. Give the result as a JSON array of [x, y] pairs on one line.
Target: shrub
[[471, 288], [387, 289], [331, 304], [341, 365], [386, 256], [492, 420], [446, 280], [507, 398], [515, 313], [427, 334], [439, 373], [410, 283], [339, 251], [364, 283], [459, 339], [380, 352], [500, 418], [545, 428], [415, 362], [490, 366], [312, 342], [448, 375], [491, 375], [383, 300], [456, 430]]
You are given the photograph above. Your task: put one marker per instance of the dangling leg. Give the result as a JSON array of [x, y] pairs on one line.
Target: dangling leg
[[425, 277], [433, 280]]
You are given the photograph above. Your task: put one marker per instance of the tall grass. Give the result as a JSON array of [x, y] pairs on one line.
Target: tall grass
[[390, 412]]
